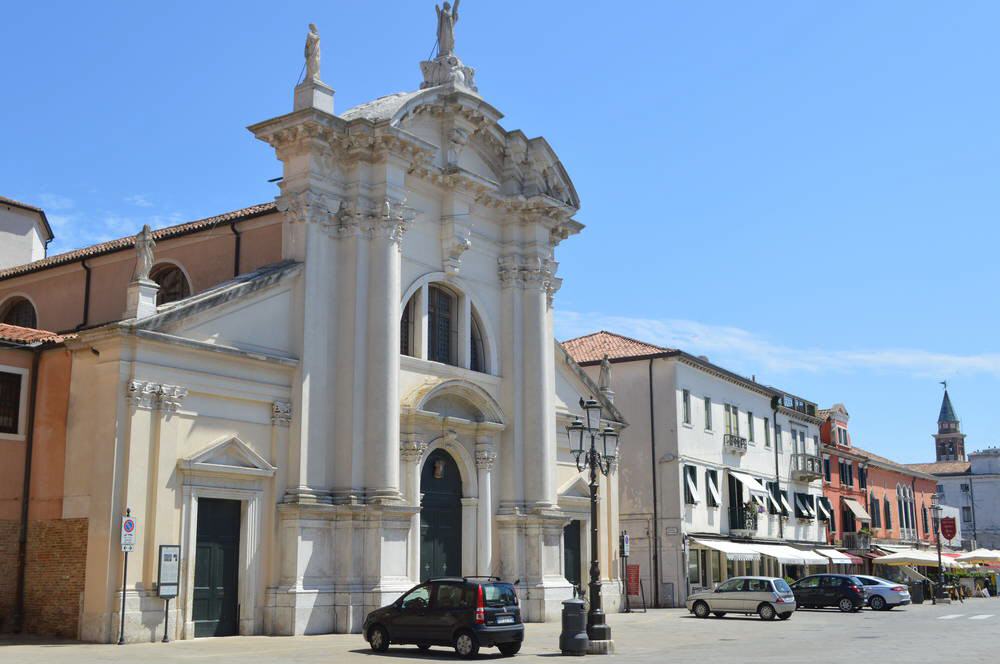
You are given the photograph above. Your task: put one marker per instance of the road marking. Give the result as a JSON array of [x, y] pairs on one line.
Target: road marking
[[951, 616], [982, 616]]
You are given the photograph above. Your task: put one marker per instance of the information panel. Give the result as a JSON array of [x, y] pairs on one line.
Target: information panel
[[169, 575]]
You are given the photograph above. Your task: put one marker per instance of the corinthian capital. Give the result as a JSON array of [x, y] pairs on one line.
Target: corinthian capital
[[412, 449], [308, 206]]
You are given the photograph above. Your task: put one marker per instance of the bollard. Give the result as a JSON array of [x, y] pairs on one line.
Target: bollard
[[573, 638]]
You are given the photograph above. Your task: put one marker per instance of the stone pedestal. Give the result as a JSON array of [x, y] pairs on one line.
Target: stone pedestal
[[316, 94], [140, 298]]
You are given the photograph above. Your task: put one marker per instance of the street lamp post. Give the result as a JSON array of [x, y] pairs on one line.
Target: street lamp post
[[936, 510], [596, 461]]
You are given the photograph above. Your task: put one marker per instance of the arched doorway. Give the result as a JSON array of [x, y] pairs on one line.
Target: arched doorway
[[440, 517]]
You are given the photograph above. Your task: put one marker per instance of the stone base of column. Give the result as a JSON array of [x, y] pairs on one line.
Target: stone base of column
[[531, 550], [143, 620], [601, 647]]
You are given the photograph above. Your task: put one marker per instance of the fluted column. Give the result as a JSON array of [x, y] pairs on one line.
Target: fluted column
[[485, 459]]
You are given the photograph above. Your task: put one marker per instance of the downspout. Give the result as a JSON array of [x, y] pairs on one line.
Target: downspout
[[22, 538], [236, 249], [777, 471], [972, 503], [656, 503], [86, 295]]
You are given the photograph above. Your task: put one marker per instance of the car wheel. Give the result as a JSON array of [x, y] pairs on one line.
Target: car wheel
[[423, 646], [719, 614], [378, 638], [877, 603], [766, 611], [784, 616], [845, 605], [466, 645], [701, 609], [509, 649]]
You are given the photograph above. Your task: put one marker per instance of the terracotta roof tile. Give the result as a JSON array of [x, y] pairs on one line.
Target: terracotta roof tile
[[593, 347], [29, 335], [128, 242], [941, 467]]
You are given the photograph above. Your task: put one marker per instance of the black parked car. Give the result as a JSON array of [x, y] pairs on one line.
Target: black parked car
[[466, 613], [840, 590]]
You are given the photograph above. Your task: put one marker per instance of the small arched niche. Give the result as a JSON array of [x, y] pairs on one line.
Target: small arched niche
[[173, 283]]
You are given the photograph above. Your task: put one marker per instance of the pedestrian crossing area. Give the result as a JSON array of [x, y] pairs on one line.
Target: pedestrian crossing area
[[956, 616]]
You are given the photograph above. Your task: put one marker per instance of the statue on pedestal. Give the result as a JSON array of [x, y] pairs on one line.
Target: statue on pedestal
[[312, 53], [447, 18], [446, 68], [144, 244]]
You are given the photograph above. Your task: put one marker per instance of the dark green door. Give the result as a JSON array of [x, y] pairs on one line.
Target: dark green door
[[216, 563], [440, 517], [571, 552]]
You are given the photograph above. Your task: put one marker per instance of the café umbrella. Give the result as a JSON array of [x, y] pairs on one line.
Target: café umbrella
[[918, 558], [980, 556]]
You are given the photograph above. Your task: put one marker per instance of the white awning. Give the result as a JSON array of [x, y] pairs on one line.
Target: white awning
[[787, 555], [836, 557], [692, 488], [733, 550], [821, 504], [784, 503], [714, 490], [859, 511], [752, 484]]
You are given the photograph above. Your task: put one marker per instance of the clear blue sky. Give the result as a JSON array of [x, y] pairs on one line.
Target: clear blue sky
[[803, 191]]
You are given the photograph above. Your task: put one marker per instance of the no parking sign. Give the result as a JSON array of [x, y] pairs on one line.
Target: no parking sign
[[129, 528]]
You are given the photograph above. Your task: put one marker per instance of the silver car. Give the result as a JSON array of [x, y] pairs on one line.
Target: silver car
[[882, 594], [768, 597]]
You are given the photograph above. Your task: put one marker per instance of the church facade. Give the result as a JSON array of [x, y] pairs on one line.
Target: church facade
[[326, 399]]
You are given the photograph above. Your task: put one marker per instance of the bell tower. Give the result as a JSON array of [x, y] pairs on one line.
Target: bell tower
[[949, 441]]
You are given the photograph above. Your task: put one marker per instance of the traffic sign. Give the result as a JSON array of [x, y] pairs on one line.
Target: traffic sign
[[129, 528]]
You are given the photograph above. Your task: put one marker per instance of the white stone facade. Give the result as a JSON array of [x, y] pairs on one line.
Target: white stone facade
[[976, 496]]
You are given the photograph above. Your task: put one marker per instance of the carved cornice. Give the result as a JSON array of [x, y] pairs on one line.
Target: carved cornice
[[155, 396], [281, 413]]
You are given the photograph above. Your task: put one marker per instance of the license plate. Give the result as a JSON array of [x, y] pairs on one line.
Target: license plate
[[505, 620]]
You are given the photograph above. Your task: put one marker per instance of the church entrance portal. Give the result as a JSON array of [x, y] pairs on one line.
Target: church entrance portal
[[440, 517]]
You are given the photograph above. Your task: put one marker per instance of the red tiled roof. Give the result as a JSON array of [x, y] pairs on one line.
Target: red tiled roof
[[941, 467], [592, 348], [900, 467], [29, 335], [128, 242], [30, 208]]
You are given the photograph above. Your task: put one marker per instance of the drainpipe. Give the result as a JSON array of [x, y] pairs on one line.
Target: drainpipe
[[22, 537], [86, 295], [656, 504], [777, 471], [236, 249], [972, 503]]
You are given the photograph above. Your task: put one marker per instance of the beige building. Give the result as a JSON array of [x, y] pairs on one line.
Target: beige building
[[325, 399]]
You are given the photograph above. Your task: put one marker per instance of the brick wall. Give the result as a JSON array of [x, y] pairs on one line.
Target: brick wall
[[54, 576], [8, 571]]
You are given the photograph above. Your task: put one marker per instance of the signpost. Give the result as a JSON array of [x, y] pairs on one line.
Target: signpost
[[623, 547], [168, 580], [129, 528]]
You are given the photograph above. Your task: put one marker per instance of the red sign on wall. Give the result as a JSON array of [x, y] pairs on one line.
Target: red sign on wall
[[948, 528], [632, 579]]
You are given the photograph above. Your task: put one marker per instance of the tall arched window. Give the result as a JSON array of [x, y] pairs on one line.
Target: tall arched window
[[172, 282], [20, 312], [477, 362], [442, 328]]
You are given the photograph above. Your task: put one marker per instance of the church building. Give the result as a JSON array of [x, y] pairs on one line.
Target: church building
[[322, 400]]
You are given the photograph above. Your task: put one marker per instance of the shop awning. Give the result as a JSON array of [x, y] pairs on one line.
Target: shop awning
[[752, 484], [858, 509], [733, 550], [857, 560], [786, 555], [836, 557]]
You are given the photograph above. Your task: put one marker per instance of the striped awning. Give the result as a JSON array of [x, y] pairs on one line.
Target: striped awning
[[733, 550], [859, 511]]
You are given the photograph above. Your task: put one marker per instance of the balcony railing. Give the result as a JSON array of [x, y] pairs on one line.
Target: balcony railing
[[858, 541], [735, 443], [806, 466], [743, 519]]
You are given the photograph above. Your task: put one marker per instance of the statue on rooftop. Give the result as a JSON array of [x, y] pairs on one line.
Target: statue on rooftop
[[447, 18], [312, 53], [143, 254]]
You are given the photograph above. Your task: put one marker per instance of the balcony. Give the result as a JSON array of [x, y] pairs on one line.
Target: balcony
[[858, 541], [735, 444], [806, 467], [743, 520]]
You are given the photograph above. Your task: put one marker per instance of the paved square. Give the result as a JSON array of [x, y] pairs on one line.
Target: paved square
[[967, 632]]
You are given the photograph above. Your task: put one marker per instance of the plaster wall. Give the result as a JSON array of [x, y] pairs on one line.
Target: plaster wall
[[22, 236]]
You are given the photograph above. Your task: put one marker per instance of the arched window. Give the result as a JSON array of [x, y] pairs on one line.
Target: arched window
[[20, 312], [406, 343], [478, 360], [442, 328], [172, 282]]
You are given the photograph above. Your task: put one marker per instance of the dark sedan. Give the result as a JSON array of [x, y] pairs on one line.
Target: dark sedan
[[840, 590]]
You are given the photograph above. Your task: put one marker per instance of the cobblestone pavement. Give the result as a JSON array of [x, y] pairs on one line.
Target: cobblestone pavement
[[968, 632]]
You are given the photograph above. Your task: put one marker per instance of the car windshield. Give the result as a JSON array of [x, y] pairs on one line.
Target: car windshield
[[499, 594], [781, 586]]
